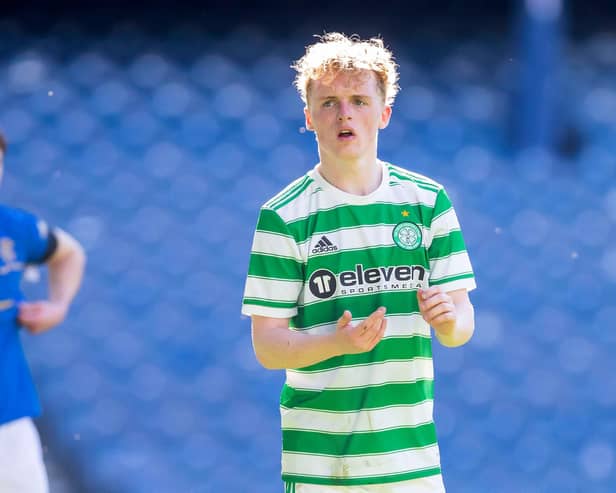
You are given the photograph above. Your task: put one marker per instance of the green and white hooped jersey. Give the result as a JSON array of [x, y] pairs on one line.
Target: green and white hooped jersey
[[317, 251]]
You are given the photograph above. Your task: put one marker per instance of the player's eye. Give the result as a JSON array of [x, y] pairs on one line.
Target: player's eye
[[360, 102], [328, 103]]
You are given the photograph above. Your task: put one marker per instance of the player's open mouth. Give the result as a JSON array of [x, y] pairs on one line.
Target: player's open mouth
[[346, 134]]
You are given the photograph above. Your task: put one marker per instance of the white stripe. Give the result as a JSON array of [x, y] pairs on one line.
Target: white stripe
[[406, 194], [352, 238], [397, 326], [360, 466], [273, 244], [272, 289], [268, 311], [468, 284], [455, 264], [350, 422], [442, 226], [363, 375]]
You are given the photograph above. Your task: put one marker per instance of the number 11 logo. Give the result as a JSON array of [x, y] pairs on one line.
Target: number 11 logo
[[322, 283]]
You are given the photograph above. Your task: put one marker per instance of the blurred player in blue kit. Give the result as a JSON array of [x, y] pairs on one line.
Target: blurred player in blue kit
[[26, 239]]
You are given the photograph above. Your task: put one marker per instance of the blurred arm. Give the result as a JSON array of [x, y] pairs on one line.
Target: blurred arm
[[464, 326], [65, 267], [277, 347]]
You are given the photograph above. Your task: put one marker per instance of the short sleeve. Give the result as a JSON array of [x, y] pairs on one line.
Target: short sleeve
[[450, 265], [275, 271], [34, 236]]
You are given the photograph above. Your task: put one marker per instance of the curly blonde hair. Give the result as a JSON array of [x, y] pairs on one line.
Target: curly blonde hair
[[336, 52]]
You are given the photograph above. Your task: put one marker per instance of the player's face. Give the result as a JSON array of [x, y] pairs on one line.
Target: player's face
[[346, 113]]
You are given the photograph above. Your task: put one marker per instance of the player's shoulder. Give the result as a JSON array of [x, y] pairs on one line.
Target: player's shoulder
[[404, 176], [16, 222], [15, 215], [291, 193]]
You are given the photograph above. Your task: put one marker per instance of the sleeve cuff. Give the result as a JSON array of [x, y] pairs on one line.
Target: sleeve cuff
[[468, 284], [265, 311]]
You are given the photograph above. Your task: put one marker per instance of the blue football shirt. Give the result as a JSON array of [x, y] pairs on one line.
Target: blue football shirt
[[24, 239]]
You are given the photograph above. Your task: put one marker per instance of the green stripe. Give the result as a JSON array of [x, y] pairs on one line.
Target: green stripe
[[359, 443], [354, 216], [442, 203], [444, 280], [324, 312], [273, 266], [289, 190], [337, 481], [293, 196], [423, 185], [391, 256], [441, 214], [412, 174], [426, 187], [391, 394], [269, 303], [270, 222], [407, 175], [446, 245], [394, 348]]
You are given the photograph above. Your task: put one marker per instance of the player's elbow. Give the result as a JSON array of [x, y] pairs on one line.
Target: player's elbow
[[265, 358], [459, 337], [267, 362]]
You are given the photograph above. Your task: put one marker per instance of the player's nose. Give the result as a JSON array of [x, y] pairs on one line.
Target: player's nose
[[344, 111]]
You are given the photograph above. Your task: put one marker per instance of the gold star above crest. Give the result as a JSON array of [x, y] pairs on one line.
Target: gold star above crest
[[405, 213]]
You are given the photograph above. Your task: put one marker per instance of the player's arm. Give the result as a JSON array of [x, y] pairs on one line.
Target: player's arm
[[65, 267], [277, 347], [451, 314]]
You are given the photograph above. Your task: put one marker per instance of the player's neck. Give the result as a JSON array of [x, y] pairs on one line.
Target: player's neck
[[358, 177]]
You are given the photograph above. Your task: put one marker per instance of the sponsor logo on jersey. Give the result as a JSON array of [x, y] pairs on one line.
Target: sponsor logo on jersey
[[324, 246], [7, 250], [407, 235], [8, 257], [323, 283]]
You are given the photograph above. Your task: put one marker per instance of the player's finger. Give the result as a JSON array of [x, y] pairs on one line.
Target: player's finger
[[438, 310], [373, 322], [345, 319], [29, 307], [380, 333], [434, 300], [424, 294], [27, 311]]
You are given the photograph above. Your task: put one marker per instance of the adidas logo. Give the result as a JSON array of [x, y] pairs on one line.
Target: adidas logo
[[324, 245]]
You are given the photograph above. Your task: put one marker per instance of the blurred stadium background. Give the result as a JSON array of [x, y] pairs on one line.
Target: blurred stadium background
[[154, 132]]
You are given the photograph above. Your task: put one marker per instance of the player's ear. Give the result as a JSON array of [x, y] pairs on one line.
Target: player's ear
[[385, 117], [308, 118]]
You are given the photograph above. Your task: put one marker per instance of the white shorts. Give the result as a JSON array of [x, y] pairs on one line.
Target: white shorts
[[430, 484], [22, 469]]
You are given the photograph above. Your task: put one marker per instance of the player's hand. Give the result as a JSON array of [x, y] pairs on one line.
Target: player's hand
[[362, 337], [438, 309], [39, 316]]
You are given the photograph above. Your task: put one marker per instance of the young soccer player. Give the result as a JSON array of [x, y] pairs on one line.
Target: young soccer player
[[26, 239], [350, 266]]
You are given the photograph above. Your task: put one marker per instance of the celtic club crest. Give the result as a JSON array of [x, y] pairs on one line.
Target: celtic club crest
[[407, 235]]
